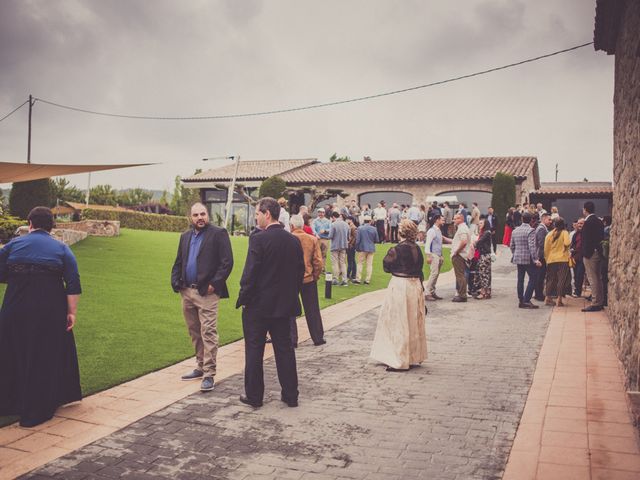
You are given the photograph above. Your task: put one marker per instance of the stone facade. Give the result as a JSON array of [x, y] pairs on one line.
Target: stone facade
[[421, 190], [96, 228], [624, 274]]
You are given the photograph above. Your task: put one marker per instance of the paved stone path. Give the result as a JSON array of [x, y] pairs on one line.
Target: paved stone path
[[453, 418]]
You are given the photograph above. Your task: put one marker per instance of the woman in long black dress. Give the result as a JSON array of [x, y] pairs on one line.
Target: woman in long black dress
[[38, 360]]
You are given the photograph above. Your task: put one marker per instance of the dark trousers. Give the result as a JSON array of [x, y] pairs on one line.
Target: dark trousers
[[255, 328], [380, 229], [578, 277], [459, 267], [394, 234], [444, 228], [542, 275], [494, 241], [309, 295], [532, 272], [351, 264]]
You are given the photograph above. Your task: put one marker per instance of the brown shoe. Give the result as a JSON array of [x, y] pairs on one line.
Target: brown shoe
[[436, 297], [430, 298]]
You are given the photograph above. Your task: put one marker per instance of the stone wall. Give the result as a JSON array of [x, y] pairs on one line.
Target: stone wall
[[97, 228], [624, 274], [66, 236]]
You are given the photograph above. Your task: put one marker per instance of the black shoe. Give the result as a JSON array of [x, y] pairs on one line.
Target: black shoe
[[589, 298], [291, 404], [29, 422], [357, 282], [195, 375], [592, 308], [458, 299], [436, 297], [391, 369], [246, 401], [367, 283], [528, 305], [321, 342]]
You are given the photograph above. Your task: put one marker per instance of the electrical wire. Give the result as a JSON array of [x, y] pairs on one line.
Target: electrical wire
[[14, 110], [319, 105]]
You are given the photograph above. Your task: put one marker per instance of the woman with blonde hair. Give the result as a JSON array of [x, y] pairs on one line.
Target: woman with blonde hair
[[400, 340], [556, 255]]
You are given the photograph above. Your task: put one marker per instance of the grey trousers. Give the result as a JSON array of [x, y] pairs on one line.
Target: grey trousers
[[435, 266]]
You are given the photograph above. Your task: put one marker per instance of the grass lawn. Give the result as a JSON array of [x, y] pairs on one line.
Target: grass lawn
[[130, 320]]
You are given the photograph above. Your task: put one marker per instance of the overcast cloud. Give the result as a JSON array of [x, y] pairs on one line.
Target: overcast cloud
[[198, 57]]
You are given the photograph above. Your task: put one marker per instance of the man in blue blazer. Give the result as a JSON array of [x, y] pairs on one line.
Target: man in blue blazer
[[200, 271]]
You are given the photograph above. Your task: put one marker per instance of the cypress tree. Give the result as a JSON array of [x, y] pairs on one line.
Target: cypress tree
[[26, 195], [503, 197]]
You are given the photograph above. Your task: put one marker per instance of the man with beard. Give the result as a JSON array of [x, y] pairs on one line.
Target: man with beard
[[202, 266]]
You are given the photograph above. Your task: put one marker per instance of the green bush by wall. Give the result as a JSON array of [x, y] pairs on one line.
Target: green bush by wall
[[8, 226], [140, 220]]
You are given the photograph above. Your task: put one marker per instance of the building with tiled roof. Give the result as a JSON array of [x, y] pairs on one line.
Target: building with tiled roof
[[250, 172], [569, 197], [370, 181]]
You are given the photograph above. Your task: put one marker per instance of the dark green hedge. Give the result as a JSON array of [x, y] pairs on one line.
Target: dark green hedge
[[140, 220], [8, 226]]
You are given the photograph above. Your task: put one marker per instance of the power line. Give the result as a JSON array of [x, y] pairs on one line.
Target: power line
[[14, 110], [319, 105]]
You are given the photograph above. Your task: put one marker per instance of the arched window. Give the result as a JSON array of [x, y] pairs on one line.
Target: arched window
[[483, 199], [372, 198]]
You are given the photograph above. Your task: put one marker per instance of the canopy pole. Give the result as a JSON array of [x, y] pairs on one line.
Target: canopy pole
[[232, 188], [31, 102]]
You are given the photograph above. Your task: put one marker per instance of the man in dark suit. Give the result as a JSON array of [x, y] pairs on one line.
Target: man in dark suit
[[592, 237], [202, 266], [492, 221], [269, 294]]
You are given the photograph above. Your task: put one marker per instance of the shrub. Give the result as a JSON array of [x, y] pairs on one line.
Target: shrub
[[26, 195], [8, 226], [272, 187], [140, 220], [503, 197]]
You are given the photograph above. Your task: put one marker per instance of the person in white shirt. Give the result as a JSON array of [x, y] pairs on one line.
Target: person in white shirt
[[434, 257], [380, 217], [459, 253], [284, 215], [414, 214]]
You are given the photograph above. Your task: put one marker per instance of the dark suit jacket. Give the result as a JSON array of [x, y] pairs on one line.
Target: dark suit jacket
[[214, 262], [592, 236], [494, 222], [273, 274]]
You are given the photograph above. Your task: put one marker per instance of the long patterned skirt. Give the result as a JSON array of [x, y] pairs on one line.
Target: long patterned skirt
[[558, 279], [484, 272]]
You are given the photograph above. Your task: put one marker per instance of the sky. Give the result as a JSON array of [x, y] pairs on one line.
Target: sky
[[213, 57]]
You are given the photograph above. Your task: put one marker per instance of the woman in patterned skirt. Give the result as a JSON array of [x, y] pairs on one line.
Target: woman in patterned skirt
[[483, 252], [556, 255]]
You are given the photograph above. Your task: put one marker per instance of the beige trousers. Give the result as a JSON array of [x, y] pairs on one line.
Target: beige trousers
[[436, 265], [339, 265], [201, 317], [592, 267], [324, 247], [362, 257]]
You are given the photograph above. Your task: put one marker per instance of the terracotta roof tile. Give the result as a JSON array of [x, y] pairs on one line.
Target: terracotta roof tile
[[413, 170], [250, 170], [574, 188]]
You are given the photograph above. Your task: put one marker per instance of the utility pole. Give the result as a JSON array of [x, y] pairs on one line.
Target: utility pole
[[230, 193], [31, 102], [556, 172]]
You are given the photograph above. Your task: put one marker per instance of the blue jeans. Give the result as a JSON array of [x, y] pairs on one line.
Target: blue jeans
[[532, 272]]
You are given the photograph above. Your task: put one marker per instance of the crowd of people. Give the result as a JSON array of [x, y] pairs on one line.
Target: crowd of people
[[286, 257], [558, 262]]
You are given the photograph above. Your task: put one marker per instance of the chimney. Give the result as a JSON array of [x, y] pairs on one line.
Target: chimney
[[367, 158]]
